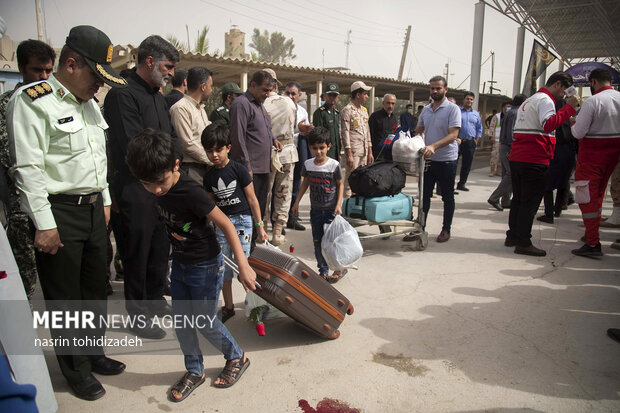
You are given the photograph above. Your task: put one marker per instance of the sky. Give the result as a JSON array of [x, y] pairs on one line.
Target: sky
[[442, 31]]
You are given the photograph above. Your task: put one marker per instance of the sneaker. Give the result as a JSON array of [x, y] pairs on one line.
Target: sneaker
[[495, 204], [544, 218], [588, 251], [462, 188], [530, 250]]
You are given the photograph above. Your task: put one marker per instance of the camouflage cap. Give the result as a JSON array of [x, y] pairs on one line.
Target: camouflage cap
[[96, 48], [332, 88]]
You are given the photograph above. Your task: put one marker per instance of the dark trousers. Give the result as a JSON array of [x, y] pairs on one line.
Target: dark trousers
[[75, 279], [466, 152], [504, 189], [304, 154], [318, 218], [444, 173], [529, 181], [144, 248], [560, 169], [261, 189]]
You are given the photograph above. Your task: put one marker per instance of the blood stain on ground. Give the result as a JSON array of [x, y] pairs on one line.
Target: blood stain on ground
[[327, 406]]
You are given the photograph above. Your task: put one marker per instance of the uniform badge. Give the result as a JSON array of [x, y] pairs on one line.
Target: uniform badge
[[108, 57], [38, 90], [65, 120], [61, 92]]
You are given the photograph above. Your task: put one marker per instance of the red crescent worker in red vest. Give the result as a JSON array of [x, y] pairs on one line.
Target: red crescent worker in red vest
[[598, 129], [532, 148]]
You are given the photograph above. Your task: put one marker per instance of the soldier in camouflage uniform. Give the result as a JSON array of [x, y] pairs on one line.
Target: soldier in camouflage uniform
[[356, 133], [283, 113], [35, 61], [229, 92]]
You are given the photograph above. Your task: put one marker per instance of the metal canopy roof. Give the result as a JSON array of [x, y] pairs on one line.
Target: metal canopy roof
[[577, 29]]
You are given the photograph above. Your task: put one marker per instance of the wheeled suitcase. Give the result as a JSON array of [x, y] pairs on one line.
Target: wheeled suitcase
[[299, 292], [379, 209]]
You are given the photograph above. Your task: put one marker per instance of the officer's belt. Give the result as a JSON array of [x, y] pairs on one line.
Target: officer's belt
[[87, 199]]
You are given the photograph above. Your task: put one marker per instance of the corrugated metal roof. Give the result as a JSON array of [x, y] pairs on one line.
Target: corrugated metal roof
[[577, 29]]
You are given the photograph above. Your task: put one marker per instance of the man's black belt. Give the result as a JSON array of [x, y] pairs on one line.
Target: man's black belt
[[87, 199]]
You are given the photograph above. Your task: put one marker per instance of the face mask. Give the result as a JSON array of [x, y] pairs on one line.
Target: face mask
[[410, 111]]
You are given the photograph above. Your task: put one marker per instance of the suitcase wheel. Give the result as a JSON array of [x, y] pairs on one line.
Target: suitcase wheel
[[350, 309], [334, 335], [288, 300], [305, 274]]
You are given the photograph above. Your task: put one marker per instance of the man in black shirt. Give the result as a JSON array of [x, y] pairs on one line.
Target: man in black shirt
[[382, 123], [145, 247], [179, 87]]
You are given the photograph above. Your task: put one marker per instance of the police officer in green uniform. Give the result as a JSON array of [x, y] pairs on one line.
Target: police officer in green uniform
[[35, 61], [329, 117], [229, 92], [57, 144]]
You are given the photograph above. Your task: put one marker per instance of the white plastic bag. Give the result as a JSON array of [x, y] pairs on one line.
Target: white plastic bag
[[252, 301], [341, 246], [406, 148]]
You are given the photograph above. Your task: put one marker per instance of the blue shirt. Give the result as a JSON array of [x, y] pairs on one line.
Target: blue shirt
[[437, 124], [471, 125]]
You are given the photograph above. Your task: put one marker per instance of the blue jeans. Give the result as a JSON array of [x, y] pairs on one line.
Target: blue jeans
[[318, 218], [195, 292], [243, 225], [466, 150], [443, 173], [304, 155]]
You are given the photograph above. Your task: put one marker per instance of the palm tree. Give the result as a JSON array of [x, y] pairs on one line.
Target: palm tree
[[202, 43], [200, 46]]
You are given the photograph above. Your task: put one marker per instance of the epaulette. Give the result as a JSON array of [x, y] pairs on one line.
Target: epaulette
[[322, 108], [38, 90], [220, 108]]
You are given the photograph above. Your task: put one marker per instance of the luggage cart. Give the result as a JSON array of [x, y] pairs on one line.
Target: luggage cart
[[415, 226]]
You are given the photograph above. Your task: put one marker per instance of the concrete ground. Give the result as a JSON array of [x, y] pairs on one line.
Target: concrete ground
[[465, 326]]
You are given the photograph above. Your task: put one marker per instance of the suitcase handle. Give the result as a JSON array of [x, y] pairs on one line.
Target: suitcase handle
[[233, 266]]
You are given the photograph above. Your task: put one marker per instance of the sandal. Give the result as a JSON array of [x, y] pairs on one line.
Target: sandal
[[227, 313], [232, 372], [336, 276], [185, 386]]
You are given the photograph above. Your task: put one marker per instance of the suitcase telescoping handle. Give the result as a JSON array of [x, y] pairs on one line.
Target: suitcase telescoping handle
[[233, 266]]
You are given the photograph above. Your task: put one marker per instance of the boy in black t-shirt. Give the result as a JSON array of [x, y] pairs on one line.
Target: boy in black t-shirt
[[196, 278], [229, 184], [324, 177]]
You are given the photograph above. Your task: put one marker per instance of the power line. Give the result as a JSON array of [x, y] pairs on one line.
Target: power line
[[342, 15], [321, 21], [302, 24]]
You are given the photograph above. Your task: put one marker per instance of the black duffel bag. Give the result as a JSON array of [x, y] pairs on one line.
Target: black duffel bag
[[377, 179]]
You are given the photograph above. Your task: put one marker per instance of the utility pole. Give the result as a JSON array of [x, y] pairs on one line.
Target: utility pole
[[348, 43], [447, 73], [39, 10], [492, 82], [404, 57]]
